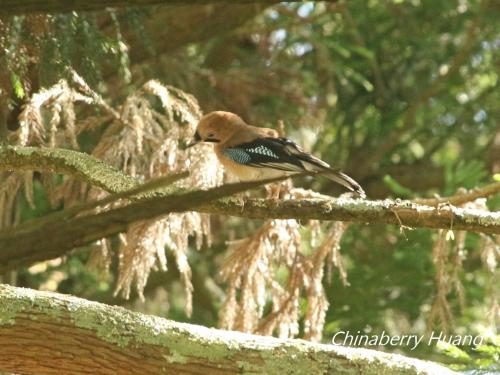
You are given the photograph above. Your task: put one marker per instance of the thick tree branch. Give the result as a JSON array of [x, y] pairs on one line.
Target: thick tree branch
[[54, 235], [59, 6], [28, 242], [41, 333]]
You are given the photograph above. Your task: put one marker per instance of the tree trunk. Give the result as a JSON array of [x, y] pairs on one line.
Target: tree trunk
[[49, 333], [59, 6], [28, 243]]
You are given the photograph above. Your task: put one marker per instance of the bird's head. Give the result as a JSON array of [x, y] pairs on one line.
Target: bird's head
[[217, 127]]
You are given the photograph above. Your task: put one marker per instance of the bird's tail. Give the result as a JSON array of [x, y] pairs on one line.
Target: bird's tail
[[317, 166], [345, 180]]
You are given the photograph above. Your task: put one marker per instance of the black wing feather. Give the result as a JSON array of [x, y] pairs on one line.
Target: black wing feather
[[297, 152], [286, 155], [266, 152]]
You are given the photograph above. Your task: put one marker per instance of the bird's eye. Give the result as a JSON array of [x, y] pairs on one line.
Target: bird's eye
[[211, 138]]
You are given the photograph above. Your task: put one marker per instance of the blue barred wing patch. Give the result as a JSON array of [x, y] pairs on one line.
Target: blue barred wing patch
[[236, 154], [248, 155]]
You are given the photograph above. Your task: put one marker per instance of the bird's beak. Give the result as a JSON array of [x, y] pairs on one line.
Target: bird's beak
[[195, 141]]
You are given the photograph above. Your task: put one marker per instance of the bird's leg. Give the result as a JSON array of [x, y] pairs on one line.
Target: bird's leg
[[279, 190], [242, 197], [273, 191]]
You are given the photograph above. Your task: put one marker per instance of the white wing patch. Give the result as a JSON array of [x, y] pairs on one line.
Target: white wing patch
[[262, 150]]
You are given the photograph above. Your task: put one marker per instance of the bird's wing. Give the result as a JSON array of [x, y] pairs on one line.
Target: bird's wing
[[276, 153], [284, 154], [309, 162]]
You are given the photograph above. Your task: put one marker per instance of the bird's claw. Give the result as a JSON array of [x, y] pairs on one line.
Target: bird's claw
[[241, 200]]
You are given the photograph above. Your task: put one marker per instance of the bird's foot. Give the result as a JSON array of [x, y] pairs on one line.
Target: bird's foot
[[242, 198], [274, 191]]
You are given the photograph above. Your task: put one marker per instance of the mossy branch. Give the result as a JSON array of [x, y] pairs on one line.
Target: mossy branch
[[57, 233], [42, 331], [28, 243], [59, 6], [73, 163], [425, 213], [403, 213]]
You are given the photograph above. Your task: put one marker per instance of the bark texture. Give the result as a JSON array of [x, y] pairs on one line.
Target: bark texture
[[47, 333], [59, 6], [56, 234]]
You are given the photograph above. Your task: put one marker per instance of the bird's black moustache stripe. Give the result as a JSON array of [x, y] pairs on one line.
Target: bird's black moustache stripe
[[213, 140], [197, 138]]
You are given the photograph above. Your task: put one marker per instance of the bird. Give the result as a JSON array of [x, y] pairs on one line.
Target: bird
[[255, 153]]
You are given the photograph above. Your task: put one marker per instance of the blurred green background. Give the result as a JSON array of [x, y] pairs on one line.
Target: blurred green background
[[403, 95]]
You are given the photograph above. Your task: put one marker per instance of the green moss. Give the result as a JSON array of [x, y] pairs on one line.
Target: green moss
[[20, 299], [9, 311], [77, 164], [252, 354], [124, 328]]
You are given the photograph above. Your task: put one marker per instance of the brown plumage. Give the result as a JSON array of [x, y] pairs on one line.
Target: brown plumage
[[253, 153]]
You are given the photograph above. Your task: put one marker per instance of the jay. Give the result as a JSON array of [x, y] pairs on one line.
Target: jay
[[253, 153]]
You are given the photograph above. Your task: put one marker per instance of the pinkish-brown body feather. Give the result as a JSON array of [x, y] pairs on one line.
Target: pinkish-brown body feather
[[228, 131], [232, 131]]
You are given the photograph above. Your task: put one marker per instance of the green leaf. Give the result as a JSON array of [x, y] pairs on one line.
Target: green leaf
[[17, 85], [357, 77], [341, 50], [362, 51], [452, 351]]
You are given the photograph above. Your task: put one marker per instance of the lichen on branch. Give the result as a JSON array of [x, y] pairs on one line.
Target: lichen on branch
[[121, 336], [143, 140], [91, 170]]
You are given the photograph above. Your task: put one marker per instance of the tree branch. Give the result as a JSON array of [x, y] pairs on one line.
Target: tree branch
[[41, 331], [461, 198], [95, 172], [28, 242], [56, 234], [11, 7], [73, 163], [362, 211]]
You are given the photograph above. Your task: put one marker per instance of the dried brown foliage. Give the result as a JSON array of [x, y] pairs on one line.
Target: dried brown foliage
[[142, 138], [448, 255], [271, 275], [270, 272]]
